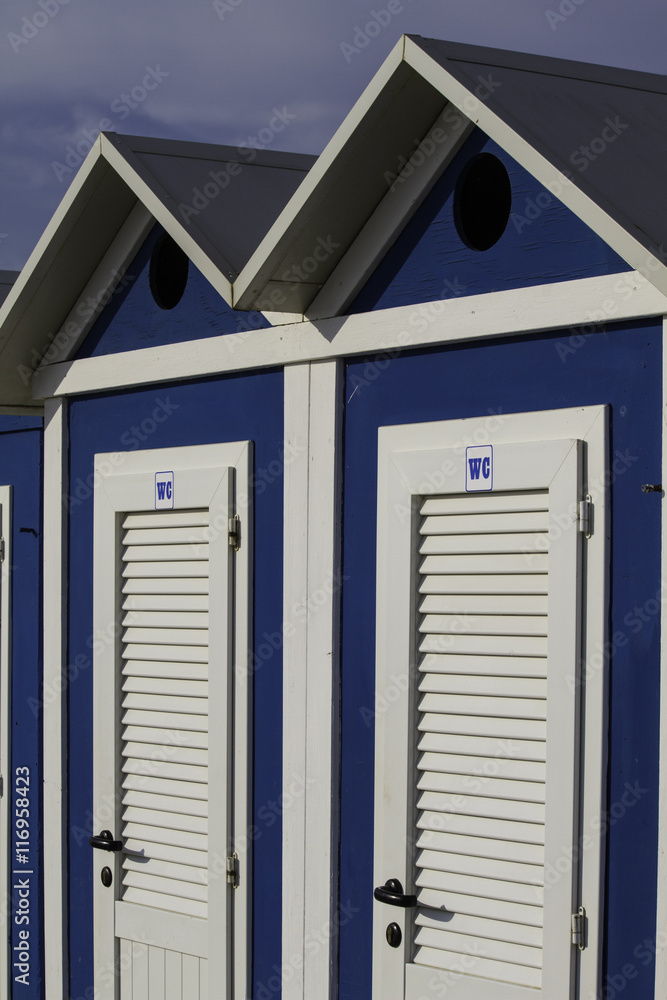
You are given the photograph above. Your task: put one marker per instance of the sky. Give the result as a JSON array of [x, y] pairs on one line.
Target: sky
[[221, 70]]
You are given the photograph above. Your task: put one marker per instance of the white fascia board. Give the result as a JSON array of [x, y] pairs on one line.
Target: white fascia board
[[259, 269], [202, 254], [567, 305], [612, 232], [399, 204], [55, 234], [104, 281]]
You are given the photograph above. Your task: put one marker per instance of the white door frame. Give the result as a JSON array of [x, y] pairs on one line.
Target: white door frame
[[126, 482], [588, 424], [6, 797]]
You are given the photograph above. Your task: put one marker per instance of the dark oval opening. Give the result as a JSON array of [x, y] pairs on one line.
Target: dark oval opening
[[168, 273], [482, 202]]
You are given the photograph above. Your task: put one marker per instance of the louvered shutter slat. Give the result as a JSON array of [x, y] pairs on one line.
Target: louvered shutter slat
[[481, 718], [157, 668], [168, 803], [484, 967], [146, 734], [481, 826], [481, 927], [168, 869], [504, 666], [166, 852], [471, 684], [501, 850], [164, 696]]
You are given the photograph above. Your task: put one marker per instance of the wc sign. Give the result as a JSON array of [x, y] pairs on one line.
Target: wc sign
[[164, 490], [479, 468]]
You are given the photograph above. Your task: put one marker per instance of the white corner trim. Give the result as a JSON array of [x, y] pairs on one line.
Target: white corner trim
[[5, 731], [310, 676], [104, 281], [661, 914], [594, 215], [55, 699], [516, 312], [403, 198]]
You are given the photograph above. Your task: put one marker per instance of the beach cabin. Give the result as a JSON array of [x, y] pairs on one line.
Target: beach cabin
[[332, 611]]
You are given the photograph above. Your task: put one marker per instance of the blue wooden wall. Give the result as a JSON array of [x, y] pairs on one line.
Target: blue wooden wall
[[133, 320], [227, 409], [20, 467], [620, 366], [543, 242]]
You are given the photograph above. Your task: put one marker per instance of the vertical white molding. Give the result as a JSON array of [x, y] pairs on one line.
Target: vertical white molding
[[5, 738], [311, 670], [54, 699], [295, 653], [661, 912]]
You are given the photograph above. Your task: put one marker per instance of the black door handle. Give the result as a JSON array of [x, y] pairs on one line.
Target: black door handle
[[392, 892], [104, 842]]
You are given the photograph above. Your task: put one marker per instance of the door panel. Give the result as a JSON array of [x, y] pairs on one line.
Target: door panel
[[478, 762], [167, 901]]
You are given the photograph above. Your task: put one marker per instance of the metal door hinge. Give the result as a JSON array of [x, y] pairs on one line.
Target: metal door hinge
[[579, 928], [2, 550], [233, 870], [235, 532], [2, 786], [586, 516]]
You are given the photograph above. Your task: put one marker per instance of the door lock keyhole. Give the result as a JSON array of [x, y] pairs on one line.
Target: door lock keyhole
[[394, 935]]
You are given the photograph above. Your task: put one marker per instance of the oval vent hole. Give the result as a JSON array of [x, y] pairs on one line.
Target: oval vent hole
[[482, 202], [168, 273]]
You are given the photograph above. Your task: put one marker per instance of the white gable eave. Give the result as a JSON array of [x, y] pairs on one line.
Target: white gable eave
[[376, 171]]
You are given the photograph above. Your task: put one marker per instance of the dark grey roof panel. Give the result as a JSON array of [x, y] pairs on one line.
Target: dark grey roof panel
[[562, 107], [231, 195], [7, 279]]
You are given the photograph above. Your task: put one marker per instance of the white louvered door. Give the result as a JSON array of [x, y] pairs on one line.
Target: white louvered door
[[477, 724], [169, 725], [480, 723]]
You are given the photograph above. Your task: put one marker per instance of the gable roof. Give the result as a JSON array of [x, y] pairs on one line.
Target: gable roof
[[604, 129], [593, 135], [125, 184], [280, 236]]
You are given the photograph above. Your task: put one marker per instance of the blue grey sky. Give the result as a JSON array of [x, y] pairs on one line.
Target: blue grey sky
[[217, 70]]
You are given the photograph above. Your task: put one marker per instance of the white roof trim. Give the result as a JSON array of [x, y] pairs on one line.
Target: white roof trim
[[258, 270], [516, 312], [618, 237], [202, 254]]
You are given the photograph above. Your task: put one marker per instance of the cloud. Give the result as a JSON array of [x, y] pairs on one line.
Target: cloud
[[229, 65]]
